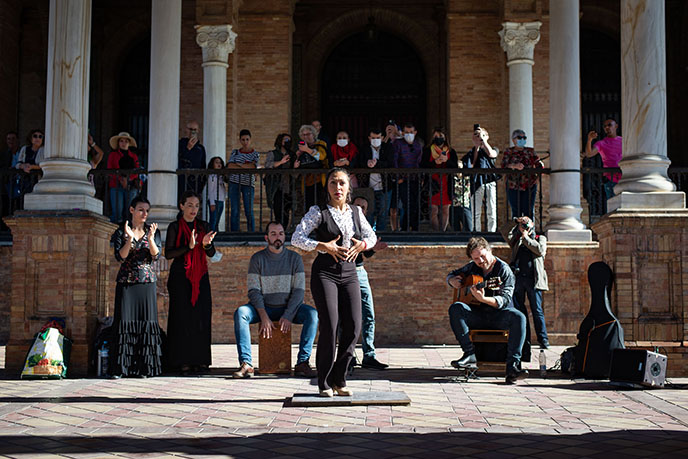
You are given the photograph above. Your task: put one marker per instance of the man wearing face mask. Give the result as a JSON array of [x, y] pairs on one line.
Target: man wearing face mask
[[376, 155], [521, 188], [407, 155]]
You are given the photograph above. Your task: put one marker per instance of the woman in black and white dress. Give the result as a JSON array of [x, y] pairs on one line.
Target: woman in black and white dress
[[341, 232]]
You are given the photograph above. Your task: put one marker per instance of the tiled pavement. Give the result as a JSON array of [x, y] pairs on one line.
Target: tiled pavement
[[218, 417]]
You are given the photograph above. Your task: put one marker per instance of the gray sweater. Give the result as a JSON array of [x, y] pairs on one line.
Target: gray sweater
[[277, 281]]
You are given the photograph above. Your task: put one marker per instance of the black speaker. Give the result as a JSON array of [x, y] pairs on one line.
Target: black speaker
[[638, 366]]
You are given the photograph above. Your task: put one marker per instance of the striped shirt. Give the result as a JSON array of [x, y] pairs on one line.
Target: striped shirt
[[239, 157], [277, 280]]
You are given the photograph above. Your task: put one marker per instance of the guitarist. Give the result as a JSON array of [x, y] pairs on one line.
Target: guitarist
[[494, 311]]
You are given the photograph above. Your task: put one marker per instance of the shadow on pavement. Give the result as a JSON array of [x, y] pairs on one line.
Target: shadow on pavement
[[611, 444]]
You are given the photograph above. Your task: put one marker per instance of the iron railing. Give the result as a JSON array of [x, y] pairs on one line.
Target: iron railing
[[286, 194]]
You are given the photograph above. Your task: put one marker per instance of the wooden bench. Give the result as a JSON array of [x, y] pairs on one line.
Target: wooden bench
[[274, 354]]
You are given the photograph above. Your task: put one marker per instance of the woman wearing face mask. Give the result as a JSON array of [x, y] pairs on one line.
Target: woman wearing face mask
[[189, 241], [521, 188], [439, 155], [344, 154], [278, 187]]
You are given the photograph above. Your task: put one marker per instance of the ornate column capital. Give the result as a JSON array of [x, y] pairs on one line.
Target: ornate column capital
[[217, 42], [518, 39]]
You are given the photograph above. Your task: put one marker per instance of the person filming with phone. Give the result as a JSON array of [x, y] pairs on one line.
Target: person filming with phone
[[482, 156], [528, 251]]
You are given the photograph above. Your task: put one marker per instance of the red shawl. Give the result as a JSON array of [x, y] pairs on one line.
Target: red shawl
[[195, 262]]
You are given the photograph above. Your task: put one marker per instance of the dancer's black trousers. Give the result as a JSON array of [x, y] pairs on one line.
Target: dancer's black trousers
[[337, 296]]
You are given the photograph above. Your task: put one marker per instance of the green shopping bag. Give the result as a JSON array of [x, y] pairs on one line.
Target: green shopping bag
[[48, 356]]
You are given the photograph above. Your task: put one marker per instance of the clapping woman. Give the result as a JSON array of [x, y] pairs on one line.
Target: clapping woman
[[189, 241], [341, 232], [136, 350]]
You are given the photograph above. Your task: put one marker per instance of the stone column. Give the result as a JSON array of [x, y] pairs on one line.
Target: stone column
[[163, 129], [644, 183], [64, 185], [217, 42], [518, 40], [565, 141]]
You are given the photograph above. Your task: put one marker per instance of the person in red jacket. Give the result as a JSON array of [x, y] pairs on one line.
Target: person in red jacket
[[344, 153], [123, 187]]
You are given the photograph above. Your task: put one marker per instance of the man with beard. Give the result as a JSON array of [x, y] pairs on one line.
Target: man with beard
[[276, 287], [494, 308]]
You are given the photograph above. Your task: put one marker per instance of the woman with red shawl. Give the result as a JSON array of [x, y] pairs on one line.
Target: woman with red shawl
[[189, 241]]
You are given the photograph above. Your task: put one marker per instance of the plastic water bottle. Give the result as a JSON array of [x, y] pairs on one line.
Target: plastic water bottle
[[103, 357], [543, 364]]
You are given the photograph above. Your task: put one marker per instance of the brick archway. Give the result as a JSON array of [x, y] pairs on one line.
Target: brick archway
[[321, 44]]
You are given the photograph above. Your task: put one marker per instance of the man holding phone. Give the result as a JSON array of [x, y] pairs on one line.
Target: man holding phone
[[191, 156], [610, 150]]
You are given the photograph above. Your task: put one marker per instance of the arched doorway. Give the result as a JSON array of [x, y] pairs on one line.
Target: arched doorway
[[134, 94], [368, 79]]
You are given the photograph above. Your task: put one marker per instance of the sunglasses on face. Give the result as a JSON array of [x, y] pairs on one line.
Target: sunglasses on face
[[37, 136], [521, 137]]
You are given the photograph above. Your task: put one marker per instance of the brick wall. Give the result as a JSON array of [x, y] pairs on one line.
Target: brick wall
[[263, 73], [407, 312], [6, 292]]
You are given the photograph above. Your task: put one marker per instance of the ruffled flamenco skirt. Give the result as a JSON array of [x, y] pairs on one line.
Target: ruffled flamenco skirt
[[138, 343]]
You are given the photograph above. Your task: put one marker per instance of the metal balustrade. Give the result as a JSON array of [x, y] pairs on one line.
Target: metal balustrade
[[286, 194]]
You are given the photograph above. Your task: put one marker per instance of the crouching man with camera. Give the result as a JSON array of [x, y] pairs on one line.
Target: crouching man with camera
[[528, 264]]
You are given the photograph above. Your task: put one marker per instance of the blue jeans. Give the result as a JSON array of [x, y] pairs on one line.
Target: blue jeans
[[463, 317], [247, 314], [525, 287], [367, 314], [522, 202], [462, 219], [120, 199], [378, 218], [246, 193], [215, 215]]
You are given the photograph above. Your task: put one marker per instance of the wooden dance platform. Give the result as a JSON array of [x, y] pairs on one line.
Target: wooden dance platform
[[359, 398]]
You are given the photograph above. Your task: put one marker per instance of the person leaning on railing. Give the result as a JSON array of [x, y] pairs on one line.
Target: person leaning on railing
[[376, 155], [439, 155], [278, 187], [123, 187], [311, 154], [241, 186], [521, 188]]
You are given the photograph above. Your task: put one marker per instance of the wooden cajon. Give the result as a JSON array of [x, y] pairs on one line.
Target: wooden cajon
[[274, 354], [480, 337]]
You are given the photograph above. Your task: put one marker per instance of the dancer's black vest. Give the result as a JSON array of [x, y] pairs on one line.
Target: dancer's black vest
[[328, 229], [600, 332]]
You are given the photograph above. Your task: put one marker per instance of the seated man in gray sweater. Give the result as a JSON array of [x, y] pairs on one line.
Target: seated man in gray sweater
[[276, 286]]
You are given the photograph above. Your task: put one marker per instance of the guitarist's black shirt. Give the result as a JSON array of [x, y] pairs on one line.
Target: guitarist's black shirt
[[500, 269]]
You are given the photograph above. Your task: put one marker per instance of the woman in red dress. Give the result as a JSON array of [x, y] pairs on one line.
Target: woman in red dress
[[439, 155]]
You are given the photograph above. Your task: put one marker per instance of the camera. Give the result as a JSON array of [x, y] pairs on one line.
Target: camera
[[528, 226], [476, 126]]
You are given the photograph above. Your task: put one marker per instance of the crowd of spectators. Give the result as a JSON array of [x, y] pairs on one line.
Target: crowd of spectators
[[398, 201]]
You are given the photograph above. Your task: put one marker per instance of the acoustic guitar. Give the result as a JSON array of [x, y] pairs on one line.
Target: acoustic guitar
[[464, 295]]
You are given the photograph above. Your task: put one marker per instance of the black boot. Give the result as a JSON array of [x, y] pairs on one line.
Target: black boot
[[515, 373], [467, 361]]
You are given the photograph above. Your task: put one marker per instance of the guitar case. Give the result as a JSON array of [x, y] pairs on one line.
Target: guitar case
[[600, 332]]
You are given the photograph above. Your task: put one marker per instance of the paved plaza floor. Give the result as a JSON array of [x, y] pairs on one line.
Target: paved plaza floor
[[216, 416]]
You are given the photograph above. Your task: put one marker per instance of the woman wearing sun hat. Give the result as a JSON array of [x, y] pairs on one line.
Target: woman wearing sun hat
[[123, 188]]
